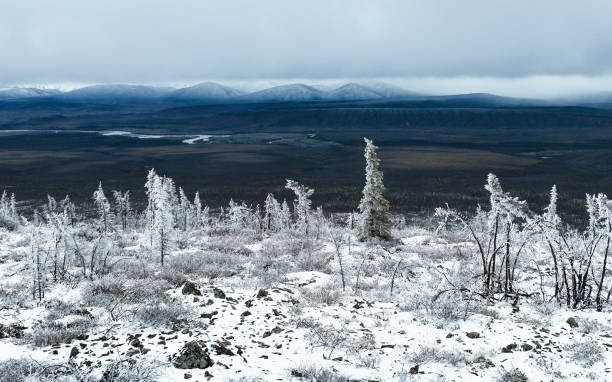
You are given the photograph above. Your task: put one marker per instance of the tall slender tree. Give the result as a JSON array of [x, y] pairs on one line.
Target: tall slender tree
[[375, 220], [103, 206], [161, 194]]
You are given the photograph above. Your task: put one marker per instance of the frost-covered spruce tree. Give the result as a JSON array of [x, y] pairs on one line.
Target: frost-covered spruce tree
[[302, 204], [103, 207], [160, 217], [123, 208], [60, 223], [8, 211], [375, 220], [273, 219], [69, 209], [39, 266], [196, 217], [285, 215], [549, 225], [184, 209]]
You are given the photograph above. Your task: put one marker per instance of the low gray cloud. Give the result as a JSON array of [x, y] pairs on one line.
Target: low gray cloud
[[187, 40]]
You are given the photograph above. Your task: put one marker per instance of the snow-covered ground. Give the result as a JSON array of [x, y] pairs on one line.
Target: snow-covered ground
[[302, 322]]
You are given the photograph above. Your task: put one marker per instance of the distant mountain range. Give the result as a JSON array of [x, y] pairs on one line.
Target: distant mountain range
[[16, 93], [214, 93], [210, 92]]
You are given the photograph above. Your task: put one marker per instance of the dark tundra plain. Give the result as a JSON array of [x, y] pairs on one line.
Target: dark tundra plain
[[433, 149]]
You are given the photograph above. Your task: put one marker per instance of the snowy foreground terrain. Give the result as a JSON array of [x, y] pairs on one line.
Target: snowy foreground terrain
[[293, 322], [274, 293]]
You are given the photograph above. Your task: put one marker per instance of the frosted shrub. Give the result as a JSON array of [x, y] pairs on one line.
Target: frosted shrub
[[433, 353], [319, 374], [134, 269], [107, 285], [514, 375], [16, 370], [588, 325], [325, 294], [55, 333], [161, 314], [131, 370], [172, 276], [211, 264], [314, 261], [585, 352]]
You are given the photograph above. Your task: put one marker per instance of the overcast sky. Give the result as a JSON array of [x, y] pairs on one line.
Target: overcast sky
[[500, 46]]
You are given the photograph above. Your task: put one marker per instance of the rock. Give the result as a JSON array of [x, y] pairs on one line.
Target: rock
[[297, 373], [572, 322], [218, 293], [209, 315], [246, 313], [192, 356], [526, 347], [221, 349], [277, 330], [190, 288], [187, 376], [74, 352], [12, 330], [473, 334], [484, 362], [136, 343], [414, 369], [262, 293]]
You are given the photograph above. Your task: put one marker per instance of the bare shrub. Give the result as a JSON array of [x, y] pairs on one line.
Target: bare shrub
[[131, 370], [226, 241], [314, 261], [363, 349], [16, 370], [212, 264], [186, 263], [27, 370], [588, 325], [107, 285], [55, 333], [546, 309], [325, 294], [328, 337], [161, 314], [136, 269], [172, 276], [432, 353], [270, 267], [585, 352], [514, 375], [319, 374]]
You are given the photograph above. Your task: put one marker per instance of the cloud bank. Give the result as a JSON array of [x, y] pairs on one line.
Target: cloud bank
[[153, 41]]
